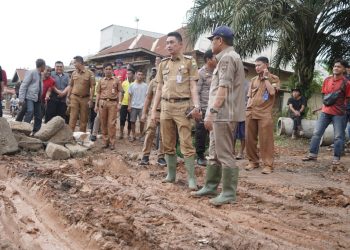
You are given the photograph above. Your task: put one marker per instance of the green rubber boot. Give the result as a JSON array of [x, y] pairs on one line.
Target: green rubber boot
[[189, 164], [171, 161], [229, 187], [212, 181]]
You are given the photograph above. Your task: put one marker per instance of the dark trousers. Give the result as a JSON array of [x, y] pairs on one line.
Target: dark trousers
[[0, 107], [55, 108], [201, 137], [92, 116], [124, 115], [22, 112], [33, 109], [296, 122]]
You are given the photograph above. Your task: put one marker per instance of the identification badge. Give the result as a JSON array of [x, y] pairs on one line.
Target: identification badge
[[178, 78], [266, 95]]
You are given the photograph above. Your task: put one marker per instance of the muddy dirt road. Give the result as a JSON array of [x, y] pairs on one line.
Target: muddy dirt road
[[106, 201]]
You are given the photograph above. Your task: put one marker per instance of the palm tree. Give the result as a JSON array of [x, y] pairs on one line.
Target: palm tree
[[303, 30]]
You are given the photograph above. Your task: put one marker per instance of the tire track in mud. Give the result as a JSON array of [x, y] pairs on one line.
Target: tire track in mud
[[118, 205]]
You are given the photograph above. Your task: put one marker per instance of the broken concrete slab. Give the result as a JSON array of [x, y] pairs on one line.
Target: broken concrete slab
[[28, 143], [63, 136], [76, 150], [83, 138], [21, 127], [57, 152], [8, 143], [49, 129]]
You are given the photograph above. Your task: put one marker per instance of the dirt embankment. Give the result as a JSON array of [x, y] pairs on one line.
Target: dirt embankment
[[106, 201]]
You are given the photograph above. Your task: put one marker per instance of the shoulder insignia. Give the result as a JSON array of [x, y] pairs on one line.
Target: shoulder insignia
[[165, 59], [188, 57]]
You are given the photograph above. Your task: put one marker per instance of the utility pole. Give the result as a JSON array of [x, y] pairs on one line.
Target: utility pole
[[137, 25]]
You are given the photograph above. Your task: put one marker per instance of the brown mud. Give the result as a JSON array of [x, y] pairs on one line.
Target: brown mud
[[107, 201]]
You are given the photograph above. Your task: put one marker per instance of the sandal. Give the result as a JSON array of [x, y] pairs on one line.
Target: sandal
[[309, 158]]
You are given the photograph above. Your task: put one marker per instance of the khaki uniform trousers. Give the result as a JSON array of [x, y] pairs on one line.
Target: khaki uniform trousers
[[149, 138], [108, 118], [79, 107], [172, 116], [262, 129], [221, 144]]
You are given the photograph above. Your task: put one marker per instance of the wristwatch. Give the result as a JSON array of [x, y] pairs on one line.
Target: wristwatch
[[213, 111], [197, 107], [266, 78]]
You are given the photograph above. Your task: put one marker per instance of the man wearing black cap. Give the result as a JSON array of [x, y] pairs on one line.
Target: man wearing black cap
[[296, 105], [203, 86], [225, 109]]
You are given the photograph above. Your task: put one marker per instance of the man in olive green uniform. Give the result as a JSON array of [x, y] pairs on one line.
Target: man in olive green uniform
[[107, 104], [177, 90], [82, 87], [226, 107]]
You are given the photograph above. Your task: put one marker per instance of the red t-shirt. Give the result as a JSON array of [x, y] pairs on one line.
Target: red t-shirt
[[47, 83], [121, 74], [331, 85]]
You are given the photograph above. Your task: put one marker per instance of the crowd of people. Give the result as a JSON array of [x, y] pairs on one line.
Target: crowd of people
[[225, 105]]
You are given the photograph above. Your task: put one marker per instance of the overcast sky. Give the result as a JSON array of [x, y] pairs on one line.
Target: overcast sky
[[60, 30]]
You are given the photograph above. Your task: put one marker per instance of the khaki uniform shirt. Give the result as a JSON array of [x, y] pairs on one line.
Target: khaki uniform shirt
[[229, 73], [257, 107], [81, 82], [151, 91], [108, 88], [175, 74], [203, 86]]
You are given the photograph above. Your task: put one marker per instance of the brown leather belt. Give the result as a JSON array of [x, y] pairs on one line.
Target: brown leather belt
[[158, 110], [81, 96], [174, 100], [109, 100]]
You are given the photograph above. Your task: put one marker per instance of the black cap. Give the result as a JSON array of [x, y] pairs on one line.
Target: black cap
[[223, 31]]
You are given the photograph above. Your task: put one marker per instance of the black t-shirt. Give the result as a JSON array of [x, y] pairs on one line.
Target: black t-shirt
[[296, 104]]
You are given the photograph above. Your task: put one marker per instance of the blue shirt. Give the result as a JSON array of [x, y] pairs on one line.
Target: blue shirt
[[62, 81]]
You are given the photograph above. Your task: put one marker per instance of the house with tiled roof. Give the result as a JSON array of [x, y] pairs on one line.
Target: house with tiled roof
[[141, 51]]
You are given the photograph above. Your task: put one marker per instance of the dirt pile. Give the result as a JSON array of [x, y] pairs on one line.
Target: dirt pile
[[327, 196]]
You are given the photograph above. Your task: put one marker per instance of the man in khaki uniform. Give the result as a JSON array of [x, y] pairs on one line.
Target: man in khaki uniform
[[82, 87], [259, 122], [226, 107], [176, 89], [107, 104], [151, 127]]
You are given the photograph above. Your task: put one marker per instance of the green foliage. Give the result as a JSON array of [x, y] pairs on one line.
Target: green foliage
[[302, 30], [307, 91]]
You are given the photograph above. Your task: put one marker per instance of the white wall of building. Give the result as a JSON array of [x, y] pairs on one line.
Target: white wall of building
[[115, 34]]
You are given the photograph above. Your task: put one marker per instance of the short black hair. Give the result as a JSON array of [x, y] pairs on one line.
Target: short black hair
[[263, 59], [342, 62], [176, 34], [79, 59], [208, 55], [227, 40], [139, 70], [39, 63], [58, 62], [105, 65], [131, 69]]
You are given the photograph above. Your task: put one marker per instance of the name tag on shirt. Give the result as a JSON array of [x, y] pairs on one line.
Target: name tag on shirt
[[178, 78]]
